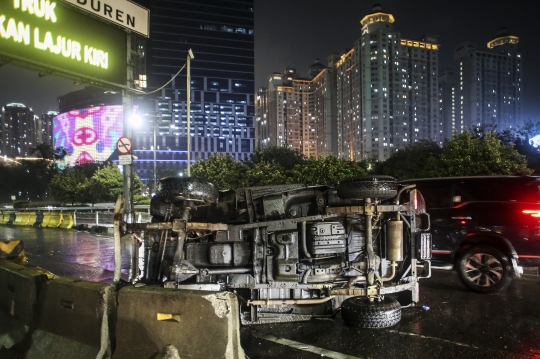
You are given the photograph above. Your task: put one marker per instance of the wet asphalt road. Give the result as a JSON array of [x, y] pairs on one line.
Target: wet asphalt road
[[458, 323]]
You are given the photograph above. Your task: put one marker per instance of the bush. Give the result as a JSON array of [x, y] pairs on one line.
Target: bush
[[20, 203]]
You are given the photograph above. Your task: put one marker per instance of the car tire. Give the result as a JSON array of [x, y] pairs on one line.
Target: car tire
[[173, 189], [484, 269], [360, 312], [381, 187]]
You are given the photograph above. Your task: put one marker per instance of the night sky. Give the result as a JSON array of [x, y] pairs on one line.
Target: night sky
[[293, 33]]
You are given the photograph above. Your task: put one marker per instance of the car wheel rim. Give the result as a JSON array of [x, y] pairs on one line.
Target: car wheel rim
[[483, 269]]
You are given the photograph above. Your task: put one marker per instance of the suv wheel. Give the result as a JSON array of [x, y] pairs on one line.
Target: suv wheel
[[381, 187], [484, 270], [360, 312]]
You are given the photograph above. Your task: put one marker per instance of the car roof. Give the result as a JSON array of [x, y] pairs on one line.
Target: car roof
[[536, 178]]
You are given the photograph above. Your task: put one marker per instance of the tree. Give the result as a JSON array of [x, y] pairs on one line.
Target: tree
[[90, 184], [521, 139], [327, 171], [27, 179], [43, 150], [469, 154], [284, 157], [69, 186], [221, 170], [264, 173], [414, 161], [107, 183]]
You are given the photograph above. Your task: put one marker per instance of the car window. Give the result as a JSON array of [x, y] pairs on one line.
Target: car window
[[436, 194], [498, 189]]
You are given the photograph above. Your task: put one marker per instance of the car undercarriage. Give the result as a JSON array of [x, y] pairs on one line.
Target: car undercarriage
[[290, 252]]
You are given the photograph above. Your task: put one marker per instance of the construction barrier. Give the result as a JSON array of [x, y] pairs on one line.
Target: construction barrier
[[67, 220], [32, 217], [11, 249], [19, 286], [18, 219], [46, 219], [55, 220], [199, 324], [75, 320], [4, 219]]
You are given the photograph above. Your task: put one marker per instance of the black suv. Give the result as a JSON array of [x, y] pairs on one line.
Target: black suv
[[487, 228]]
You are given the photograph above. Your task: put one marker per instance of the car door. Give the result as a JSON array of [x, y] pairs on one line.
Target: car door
[[439, 198]]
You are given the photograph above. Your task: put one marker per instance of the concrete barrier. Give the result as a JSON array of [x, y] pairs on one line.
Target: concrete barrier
[[19, 286], [75, 321], [67, 220], [199, 324], [55, 220]]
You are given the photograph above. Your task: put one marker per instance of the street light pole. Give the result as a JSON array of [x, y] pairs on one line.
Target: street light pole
[[155, 170], [188, 100], [127, 102]]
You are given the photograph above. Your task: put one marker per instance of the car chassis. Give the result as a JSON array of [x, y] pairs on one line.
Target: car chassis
[[289, 252]]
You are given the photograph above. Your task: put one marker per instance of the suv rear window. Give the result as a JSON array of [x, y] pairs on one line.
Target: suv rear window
[[448, 192]]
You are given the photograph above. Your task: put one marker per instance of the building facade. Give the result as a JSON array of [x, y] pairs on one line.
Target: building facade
[[18, 130], [447, 103], [301, 112], [370, 101], [220, 34], [387, 91], [44, 127], [488, 84], [261, 118]]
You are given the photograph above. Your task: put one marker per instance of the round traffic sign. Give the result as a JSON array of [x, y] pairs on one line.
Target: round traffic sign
[[124, 145]]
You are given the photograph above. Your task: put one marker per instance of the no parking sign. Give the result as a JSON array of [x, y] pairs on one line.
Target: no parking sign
[[124, 145]]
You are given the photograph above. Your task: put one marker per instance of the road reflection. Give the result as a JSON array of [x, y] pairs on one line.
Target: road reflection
[[85, 255]]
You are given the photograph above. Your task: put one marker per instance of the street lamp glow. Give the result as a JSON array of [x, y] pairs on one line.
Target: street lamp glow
[[135, 119], [535, 141]]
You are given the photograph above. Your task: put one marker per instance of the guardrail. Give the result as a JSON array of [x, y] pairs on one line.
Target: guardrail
[[68, 217]]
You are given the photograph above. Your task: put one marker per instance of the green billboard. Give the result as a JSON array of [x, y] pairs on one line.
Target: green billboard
[[57, 37]]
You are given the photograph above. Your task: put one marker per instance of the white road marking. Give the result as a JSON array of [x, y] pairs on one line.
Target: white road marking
[[434, 338], [301, 346], [336, 355]]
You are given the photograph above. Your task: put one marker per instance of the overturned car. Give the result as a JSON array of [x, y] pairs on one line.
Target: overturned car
[[291, 252]]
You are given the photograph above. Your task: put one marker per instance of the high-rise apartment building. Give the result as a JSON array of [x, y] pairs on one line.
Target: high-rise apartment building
[[261, 118], [488, 84], [44, 127], [18, 130], [220, 34], [387, 92], [447, 103], [370, 101], [300, 110]]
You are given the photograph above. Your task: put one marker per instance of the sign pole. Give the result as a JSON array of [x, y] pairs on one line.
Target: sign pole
[[127, 102], [188, 112]]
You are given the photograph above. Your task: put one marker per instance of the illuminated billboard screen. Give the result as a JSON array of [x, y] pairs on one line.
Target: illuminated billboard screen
[[58, 37], [89, 134]]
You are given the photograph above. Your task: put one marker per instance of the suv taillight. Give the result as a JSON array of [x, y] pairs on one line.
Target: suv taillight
[[532, 212]]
